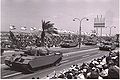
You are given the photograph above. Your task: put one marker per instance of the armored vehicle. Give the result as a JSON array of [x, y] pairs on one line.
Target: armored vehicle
[[32, 58], [90, 42], [68, 43], [107, 45]]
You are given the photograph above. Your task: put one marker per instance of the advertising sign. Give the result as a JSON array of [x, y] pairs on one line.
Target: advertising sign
[[99, 22]]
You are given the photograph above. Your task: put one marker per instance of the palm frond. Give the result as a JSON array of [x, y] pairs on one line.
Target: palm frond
[[49, 28], [52, 30], [48, 22]]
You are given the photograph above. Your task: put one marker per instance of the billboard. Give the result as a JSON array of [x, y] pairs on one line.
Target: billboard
[[99, 22]]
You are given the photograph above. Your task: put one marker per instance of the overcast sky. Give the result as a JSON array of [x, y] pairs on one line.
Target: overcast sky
[[29, 13]]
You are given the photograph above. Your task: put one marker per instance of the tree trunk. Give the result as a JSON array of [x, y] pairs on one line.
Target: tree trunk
[[42, 38]]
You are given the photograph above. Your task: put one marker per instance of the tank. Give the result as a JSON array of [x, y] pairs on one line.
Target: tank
[[106, 45], [68, 44], [33, 58], [90, 42]]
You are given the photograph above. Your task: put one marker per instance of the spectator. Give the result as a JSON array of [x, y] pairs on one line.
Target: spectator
[[105, 67], [113, 72], [93, 75]]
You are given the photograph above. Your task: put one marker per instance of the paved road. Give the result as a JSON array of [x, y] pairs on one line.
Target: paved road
[[63, 50], [76, 57]]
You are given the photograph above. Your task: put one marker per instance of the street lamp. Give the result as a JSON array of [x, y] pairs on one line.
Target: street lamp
[[80, 20], [83, 35]]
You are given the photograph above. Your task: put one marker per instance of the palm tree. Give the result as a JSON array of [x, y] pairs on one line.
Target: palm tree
[[47, 27]]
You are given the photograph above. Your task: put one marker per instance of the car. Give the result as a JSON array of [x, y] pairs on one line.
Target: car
[[68, 44], [32, 58], [107, 45]]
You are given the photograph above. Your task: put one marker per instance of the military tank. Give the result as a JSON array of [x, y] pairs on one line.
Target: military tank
[[107, 45], [32, 58], [68, 44]]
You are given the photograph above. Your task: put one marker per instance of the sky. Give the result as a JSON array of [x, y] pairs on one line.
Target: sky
[[29, 13]]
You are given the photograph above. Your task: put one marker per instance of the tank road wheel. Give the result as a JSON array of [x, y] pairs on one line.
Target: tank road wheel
[[27, 68]]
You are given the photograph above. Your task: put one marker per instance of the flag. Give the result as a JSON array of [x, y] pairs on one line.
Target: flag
[[24, 28], [32, 28], [12, 27]]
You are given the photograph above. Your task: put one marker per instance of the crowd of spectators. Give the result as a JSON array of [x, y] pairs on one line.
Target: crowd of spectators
[[32, 40], [105, 67], [56, 40]]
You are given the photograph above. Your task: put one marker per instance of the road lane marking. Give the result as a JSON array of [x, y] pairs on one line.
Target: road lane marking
[[76, 61], [77, 55], [85, 56], [64, 61], [66, 54], [12, 75], [81, 55], [76, 52], [61, 62], [53, 68], [20, 72]]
